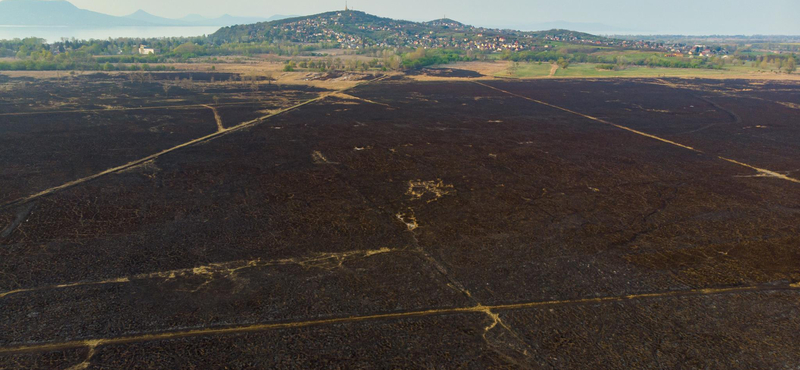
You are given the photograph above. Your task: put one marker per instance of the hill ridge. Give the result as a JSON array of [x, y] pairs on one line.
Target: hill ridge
[[352, 29]]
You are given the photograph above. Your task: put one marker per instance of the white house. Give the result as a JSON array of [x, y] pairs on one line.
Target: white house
[[145, 50]]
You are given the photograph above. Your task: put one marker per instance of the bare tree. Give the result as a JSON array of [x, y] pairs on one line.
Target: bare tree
[[270, 78], [255, 88]]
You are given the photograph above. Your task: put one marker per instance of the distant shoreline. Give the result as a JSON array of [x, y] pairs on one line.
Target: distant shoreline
[[104, 27], [55, 33], [30, 26]]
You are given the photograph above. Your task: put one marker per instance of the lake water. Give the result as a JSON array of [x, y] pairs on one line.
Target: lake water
[[52, 34]]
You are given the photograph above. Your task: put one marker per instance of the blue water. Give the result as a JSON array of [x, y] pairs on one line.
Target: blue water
[[52, 34]]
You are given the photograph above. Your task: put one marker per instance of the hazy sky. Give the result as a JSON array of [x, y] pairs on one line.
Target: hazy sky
[[666, 16]]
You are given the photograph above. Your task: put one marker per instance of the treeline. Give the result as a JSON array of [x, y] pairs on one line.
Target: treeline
[[30, 65], [44, 60], [387, 59], [122, 54], [777, 46], [36, 54], [427, 57], [787, 63], [337, 64], [174, 49], [752, 56], [121, 46], [612, 60], [21, 47]]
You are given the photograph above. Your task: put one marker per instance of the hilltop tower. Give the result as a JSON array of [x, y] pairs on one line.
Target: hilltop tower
[[345, 6]]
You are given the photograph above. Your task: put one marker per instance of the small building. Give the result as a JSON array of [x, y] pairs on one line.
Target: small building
[[144, 50]]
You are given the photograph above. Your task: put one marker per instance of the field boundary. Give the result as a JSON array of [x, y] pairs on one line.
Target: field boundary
[[177, 147], [91, 343], [122, 109], [220, 268], [762, 172], [220, 126]]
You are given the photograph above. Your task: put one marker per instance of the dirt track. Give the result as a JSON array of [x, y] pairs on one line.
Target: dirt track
[[553, 70], [738, 119]]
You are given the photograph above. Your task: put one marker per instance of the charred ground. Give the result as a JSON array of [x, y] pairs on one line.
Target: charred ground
[[487, 224]]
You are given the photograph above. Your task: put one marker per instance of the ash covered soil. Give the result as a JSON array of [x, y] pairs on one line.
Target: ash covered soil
[[487, 224]]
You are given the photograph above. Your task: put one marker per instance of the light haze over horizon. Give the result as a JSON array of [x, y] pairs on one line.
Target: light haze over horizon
[[695, 17]]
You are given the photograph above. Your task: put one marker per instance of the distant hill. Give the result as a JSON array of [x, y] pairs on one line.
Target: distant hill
[[355, 29], [64, 13], [330, 26], [56, 13], [578, 26], [445, 22], [145, 17], [195, 20]]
